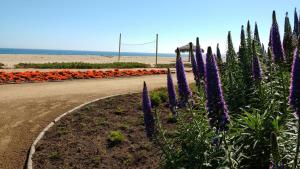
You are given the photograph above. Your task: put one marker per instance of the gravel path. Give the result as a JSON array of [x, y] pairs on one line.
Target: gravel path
[[25, 109]]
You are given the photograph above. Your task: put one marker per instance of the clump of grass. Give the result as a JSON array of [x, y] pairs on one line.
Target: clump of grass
[[155, 99], [119, 111], [54, 155], [115, 137], [163, 94], [158, 96], [101, 121], [96, 159], [128, 159], [124, 126], [1, 65], [82, 65]]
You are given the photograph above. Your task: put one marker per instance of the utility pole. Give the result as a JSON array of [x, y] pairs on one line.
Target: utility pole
[[156, 49], [120, 47]]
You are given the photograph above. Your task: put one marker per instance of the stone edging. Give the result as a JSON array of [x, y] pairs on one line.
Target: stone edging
[[29, 164]]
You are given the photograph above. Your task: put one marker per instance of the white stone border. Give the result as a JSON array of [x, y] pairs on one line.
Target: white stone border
[[41, 135]]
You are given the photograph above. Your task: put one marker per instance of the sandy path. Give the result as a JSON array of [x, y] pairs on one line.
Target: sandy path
[[27, 108]]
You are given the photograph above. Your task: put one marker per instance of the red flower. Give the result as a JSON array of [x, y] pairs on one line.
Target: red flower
[[36, 76]]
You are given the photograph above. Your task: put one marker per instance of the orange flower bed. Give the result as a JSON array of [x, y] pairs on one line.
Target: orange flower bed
[[36, 76]]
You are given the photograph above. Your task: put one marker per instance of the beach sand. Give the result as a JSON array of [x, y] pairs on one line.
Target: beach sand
[[9, 60]]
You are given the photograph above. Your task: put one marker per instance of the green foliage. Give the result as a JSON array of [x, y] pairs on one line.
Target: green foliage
[[82, 65], [119, 111], [249, 40], [248, 143], [155, 99], [251, 140], [262, 126], [231, 74], [256, 34], [219, 59], [158, 96], [1, 65], [115, 137], [192, 146], [124, 126], [54, 155], [245, 55], [288, 41]]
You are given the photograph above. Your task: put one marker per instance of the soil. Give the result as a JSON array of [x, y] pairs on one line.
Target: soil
[[80, 140]]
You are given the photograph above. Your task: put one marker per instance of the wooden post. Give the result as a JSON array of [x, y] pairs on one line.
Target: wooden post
[[156, 49], [119, 47]]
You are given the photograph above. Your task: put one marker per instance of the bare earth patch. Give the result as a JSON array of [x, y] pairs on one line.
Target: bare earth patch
[[82, 139]]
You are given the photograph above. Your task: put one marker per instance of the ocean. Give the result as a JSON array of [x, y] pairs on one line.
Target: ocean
[[77, 52]]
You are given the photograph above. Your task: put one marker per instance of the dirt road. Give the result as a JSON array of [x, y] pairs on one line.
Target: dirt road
[[25, 109]]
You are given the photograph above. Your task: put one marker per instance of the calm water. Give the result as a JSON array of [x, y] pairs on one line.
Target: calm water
[[77, 52]]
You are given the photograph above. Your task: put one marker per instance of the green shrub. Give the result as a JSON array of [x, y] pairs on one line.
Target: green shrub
[[1, 65], [155, 99], [115, 137], [158, 97], [193, 146], [163, 94]]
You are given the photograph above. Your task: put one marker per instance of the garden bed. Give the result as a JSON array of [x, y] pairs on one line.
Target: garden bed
[[105, 134], [37, 76]]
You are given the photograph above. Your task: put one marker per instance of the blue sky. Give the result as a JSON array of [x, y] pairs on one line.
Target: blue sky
[[96, 24]]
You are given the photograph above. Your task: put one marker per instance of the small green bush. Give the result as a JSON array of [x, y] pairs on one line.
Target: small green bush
[[163, 94], [115, 137], [158, 96], [155, 99]]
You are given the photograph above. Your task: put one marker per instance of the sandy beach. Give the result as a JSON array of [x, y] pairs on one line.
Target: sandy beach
[[9, 60]]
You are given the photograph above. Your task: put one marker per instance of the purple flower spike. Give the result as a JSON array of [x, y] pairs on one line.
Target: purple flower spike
[[183, 86], [148, 115], [171, 93], [276, 46], [194, 65], [256, 69], [294, 98], [215, 103], [199, 59]]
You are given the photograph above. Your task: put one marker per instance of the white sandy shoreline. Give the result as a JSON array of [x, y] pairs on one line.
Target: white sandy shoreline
[[9, 60]]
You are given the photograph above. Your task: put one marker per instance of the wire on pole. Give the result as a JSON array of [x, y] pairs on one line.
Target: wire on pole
[[136, 44]]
